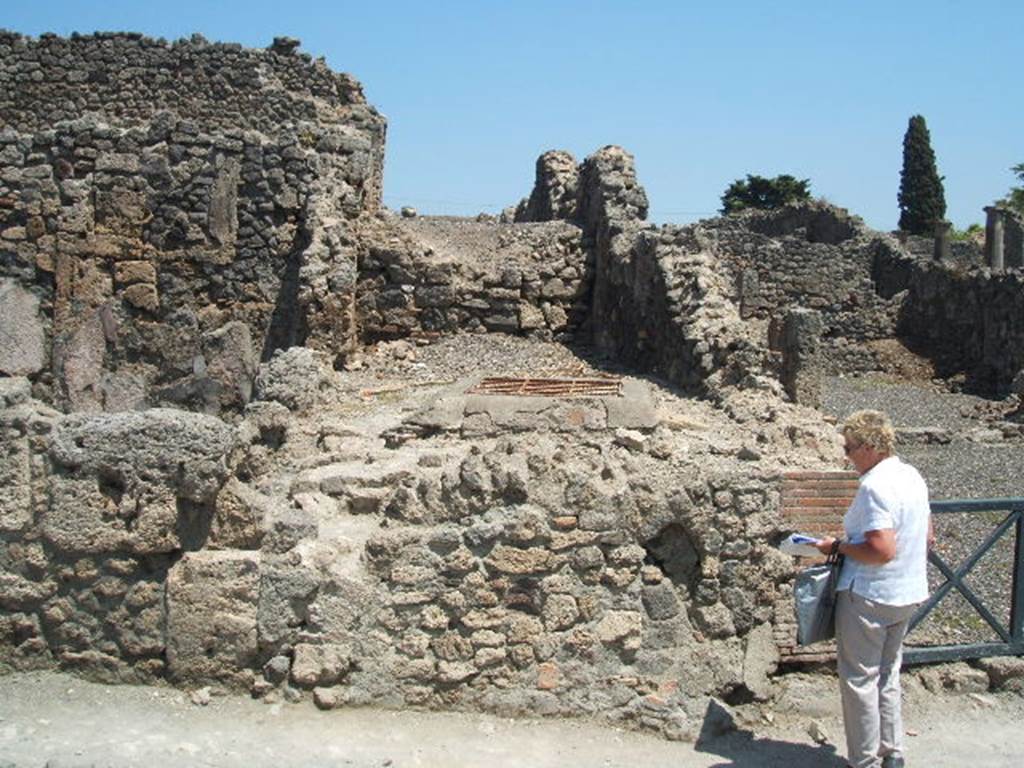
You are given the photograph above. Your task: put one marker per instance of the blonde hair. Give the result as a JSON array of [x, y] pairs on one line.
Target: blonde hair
[[870, 428]]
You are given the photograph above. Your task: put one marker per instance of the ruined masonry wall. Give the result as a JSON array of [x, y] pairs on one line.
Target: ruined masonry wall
[[525, 575], [127, 79], [665, 309], [192, 222], [809, 256], [536, 281], [158, 265], [972, 319]]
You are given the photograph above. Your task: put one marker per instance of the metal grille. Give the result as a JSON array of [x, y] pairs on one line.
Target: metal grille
[[530, 387]]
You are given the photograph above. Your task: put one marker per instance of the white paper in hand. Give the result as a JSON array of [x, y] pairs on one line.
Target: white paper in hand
[[800, 545]]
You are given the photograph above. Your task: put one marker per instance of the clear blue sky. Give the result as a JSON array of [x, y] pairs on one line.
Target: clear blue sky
[[475, 90]]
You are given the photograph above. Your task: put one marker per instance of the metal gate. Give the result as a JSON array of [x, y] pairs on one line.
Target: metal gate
[[1010, 638]]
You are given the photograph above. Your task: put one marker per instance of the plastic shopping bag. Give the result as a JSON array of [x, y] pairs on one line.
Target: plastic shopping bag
[[814, 598]]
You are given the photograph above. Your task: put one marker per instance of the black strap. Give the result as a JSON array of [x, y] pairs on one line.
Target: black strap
[[834, 558]]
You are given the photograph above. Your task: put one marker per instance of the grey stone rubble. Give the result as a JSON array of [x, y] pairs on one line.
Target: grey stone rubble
[[239, 445]]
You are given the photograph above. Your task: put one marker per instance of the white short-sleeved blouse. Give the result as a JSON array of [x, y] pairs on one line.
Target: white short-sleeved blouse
[[892, 494]]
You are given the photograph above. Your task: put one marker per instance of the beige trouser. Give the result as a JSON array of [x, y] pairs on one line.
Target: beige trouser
[[869, 636]]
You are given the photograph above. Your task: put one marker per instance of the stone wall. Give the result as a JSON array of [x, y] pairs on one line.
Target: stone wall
[[971, 321], [664, 309], [656, 303], [155, 250], [556, 570], [967, 253], [813, 256], [437, 275], [127, 79], [555, 194]]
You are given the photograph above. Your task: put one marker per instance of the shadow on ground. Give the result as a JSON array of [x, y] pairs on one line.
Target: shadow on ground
[[742, 749]]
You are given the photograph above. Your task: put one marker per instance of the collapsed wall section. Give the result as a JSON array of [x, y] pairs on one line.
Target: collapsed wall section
[[657, 303], [429, 276], [665, 310]]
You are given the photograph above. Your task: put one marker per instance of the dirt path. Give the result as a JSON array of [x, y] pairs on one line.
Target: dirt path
[[55, 720]]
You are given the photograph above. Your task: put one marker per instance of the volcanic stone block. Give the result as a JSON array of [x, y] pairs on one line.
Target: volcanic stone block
[[15, 477], [80, 364], [560, 612], [292, 377], [211, 616], [760, 659], [184, 452], [661, 600], [520, 561], [121, 211], [141, 482], [240, 518], [130, 272], [93, 514], [286, 592], [22, 338], [320, 665], [620, 627], [231, 361], [222, 215]]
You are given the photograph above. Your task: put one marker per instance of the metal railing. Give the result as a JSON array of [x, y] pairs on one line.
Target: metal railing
[[1012, 637]]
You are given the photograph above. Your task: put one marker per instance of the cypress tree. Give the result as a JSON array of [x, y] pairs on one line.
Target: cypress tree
[[921, 198]]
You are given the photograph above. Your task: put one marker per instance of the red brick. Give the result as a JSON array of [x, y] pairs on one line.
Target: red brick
[[838, 475], [829, 489], [817, 501]]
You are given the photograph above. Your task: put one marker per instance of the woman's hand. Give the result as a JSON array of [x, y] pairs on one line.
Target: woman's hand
[[825, 545]]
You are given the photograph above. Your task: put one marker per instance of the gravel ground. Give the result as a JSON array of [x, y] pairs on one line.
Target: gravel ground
[[965, 468], [478, 354]]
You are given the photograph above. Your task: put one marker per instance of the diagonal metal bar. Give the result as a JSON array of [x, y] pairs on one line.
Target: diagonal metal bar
[[956, 581], [953, 578]]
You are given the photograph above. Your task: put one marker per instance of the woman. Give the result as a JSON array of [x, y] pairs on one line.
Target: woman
[[882, 582]]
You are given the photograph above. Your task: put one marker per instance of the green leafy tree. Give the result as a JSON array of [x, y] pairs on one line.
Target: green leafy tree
[[1015, 198], [973, 232], [761, 192], [921, 197]]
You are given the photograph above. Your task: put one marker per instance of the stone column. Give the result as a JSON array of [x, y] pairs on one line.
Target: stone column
[[1013, 241], [942, 233], [994, 238], [801, 356]]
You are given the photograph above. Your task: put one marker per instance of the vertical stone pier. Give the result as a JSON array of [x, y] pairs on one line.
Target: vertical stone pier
[[801, 351]]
